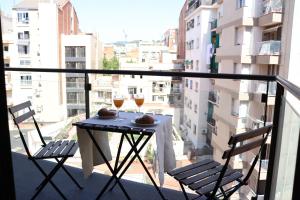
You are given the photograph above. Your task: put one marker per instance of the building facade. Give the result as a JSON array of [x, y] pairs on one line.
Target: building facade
[[197, 59], [78, 52], [37, 30], [249, 38]]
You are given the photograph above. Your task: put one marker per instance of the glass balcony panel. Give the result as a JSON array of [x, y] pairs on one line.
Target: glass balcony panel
[[271, 47], [270, 6], [286, 151]]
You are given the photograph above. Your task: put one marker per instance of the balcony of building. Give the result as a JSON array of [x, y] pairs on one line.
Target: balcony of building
[[269, 52], [213, 25], [139, 185], [271, 13], [194, 4], [260, 90], [213, 97]]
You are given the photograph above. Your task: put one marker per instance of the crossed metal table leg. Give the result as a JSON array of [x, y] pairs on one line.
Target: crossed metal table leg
[[122, 167]]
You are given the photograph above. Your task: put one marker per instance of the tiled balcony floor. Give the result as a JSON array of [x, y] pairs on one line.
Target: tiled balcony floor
[[27, 177]]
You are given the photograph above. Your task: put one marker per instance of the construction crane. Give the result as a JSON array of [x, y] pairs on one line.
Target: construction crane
[[125, 35]]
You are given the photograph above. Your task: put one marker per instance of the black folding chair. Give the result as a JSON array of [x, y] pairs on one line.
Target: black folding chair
[[209, 178], [58, 150]]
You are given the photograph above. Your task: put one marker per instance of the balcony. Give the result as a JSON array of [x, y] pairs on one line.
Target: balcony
[[271, 13], [74, 85], [212, 97], [194, 4], [269, 52], [25, 189]]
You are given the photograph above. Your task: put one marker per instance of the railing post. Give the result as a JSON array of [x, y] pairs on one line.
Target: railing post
[[276, 119], [263, 150], [87, 88], [7, 186]]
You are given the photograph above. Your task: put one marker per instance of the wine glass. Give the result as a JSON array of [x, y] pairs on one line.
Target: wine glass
[[139, 100], [118, 102]]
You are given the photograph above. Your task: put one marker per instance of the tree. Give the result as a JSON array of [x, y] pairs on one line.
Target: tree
[[112, 64]]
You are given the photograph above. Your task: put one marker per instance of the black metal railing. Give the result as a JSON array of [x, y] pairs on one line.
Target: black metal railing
[[282, 85]]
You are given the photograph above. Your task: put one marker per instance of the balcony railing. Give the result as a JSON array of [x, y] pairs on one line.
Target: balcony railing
[[212, 97], [271, 6], [261, 87], [214, 24], [75, 85], [283, 86], [269, 48]]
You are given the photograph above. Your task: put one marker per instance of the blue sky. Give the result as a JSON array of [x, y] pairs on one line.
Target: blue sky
[[140, 19]]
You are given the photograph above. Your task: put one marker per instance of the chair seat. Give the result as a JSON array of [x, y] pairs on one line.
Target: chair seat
[[57, 149], [202, 176]]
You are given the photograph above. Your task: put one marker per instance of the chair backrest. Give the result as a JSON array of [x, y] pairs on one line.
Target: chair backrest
[[247, 141], [18, 119]]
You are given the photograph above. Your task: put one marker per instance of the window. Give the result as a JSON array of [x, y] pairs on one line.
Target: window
[[132, 76], [141, 76], [192, 64], [235, 68], [186, 82], [194, 129], [198, 20], [238, 36], [190, 24], [23, 35], [243, 109], [198, 43], [71, 97], [6, 64], [197, 65], [132, 90], [196, 86], [74, 51], [23, 49], [141, 90], [25, 80], [234, 107], [23, 17], [5, 48], [25, 62], [195, 108], [191, 84], [221, 11], [241, 3]]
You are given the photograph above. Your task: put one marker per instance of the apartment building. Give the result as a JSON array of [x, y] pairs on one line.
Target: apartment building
[[170, 39], [7, 35], [248, 40], [197, 59], [37, 29], [78, 52]]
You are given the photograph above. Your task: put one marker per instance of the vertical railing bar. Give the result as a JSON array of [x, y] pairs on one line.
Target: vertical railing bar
[[297, 174], [87, 88], [263, 151], [276, 118]]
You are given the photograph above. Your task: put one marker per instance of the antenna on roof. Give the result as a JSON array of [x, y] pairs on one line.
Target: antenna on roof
[[125, 35]]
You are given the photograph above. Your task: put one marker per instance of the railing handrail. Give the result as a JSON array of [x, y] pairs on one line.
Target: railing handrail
[[150, 73], [292, 88]]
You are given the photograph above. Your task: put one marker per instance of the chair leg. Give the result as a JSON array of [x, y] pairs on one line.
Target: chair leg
[[68, 173], [48, 179], [184, 192]]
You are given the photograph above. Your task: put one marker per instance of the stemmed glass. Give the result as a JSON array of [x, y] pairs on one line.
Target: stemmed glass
[[118, 102], [139, 100]]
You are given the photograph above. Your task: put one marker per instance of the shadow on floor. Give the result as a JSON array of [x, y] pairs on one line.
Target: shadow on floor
[[27, 177]]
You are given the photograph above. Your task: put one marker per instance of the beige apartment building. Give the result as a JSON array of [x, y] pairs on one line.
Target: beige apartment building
[[249, 40]]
